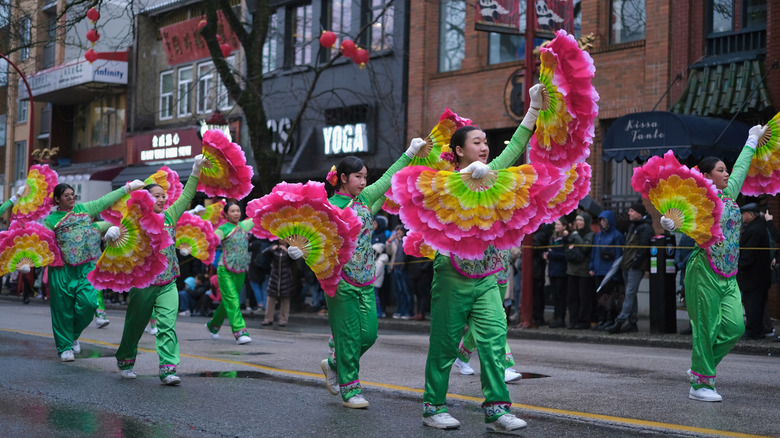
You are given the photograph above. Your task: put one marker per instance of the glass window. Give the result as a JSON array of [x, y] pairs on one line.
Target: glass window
[[25, 37], [4, 66], [301, 34], [3, 119], [100, 122], [184, 96], [721, 16], [504, 47], [224, 101], [5, 13], [340, 17], [754, 16], [20, 170], [166, 95], [452, 34], [382, 30], [577, 18], [271, 44], [21, 111], [205, 83], [628, 21]]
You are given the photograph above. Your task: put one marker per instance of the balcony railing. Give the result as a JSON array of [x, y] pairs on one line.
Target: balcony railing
[[736, 42]]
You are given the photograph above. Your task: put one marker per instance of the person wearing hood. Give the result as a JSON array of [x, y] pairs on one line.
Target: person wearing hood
[[636, 260], [579, 291], [607, 247], [380, 233]]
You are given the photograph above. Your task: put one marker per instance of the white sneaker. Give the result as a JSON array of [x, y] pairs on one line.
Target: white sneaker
[[171, 380], [704, 394], [76, 347], [128, 374], [356, 402], [243, 339], [510, 375], [213, 335], [506, 423], [101, 322], [184, 313], [465, 369], [331, 377], [153, 331], [67, 356], [441, 421]]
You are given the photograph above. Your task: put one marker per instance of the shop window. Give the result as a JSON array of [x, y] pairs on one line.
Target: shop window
[[381, 32], [184, 104], [25, 37], [205, 84], [100, 122], [452, 34], [271, 44], [299, 35], [20, 170], [504, 47], [754, 14], [224, 101], [21, 111], [628, 21], [166, 95]]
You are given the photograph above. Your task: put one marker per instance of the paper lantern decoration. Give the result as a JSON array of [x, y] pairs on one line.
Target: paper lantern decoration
[[361, 57], [93, 36], [348, 48], [201, 24], [91, 56], [226, 49], [93, 15], [328, 39]]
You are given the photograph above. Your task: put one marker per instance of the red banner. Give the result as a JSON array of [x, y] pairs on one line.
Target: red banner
[[503, 16], [183, 42], [552, 15]]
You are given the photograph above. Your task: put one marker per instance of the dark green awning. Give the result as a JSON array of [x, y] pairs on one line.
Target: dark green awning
[[719, 90]]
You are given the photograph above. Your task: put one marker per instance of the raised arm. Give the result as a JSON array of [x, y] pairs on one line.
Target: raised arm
[[93, 208], [177, 208], [522, 134], [377, 190], [741, 166]]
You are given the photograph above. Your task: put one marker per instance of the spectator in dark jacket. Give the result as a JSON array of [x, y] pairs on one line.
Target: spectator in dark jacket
[[556, 258], [281, 284], [259, 268], [636, 261], [579, 293], [541, 236], [754, 275], [607, 248]]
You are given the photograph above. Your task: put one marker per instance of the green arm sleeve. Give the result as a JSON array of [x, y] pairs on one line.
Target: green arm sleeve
[[377, 190], [6, 205], [177, 209], [219, 234], [93, 208], [101, 226], [246, 224], [376, 206], [739, 172], [513, 150]]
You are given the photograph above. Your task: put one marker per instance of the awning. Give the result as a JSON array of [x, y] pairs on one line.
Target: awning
[[718, 90], [640, 136], [143, 171], [88, 172], [78, 81]]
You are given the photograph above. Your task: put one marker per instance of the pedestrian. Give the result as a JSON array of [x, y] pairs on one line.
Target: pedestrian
[[711, 291], [352, 310], [162, 296], [281, 283], [607, 247], [259, 268], [541, 236], [403, 296], [556, 259], [381, 260], [636, 261], [231, 273], [465, 291], [579, 286], [73, 299], [754, 275], [420, 273]]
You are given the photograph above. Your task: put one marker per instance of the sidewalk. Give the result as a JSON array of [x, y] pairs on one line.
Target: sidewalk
[[642, 338]]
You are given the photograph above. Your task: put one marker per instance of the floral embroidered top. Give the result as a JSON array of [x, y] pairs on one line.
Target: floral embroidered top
[[235, 245], [502, 276], [171, 217], [491, 262], [360, 269], [724, 255], [77, 239]]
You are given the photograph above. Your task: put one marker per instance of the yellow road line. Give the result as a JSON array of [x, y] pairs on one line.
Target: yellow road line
[[609, 418]]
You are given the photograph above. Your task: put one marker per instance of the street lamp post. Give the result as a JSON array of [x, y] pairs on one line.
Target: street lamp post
[[527, 278]]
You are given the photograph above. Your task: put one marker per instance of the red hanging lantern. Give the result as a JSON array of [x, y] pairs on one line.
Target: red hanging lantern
[[219, 38], [361, 57], [348, 48], [226, 49], [93, 36], [328, 39], [91, 56], [93, 15], [201, 24]]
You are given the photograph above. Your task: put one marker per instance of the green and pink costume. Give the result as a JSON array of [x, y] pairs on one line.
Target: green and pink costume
[[230, 274]]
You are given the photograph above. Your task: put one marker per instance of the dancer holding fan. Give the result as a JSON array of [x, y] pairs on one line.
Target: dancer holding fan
[[161, 296], [11, 201], [352, 310], [711, 290], [231, 272], [72, 298]]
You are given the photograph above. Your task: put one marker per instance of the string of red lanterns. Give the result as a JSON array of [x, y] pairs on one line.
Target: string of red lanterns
[[348, 48], [92, 35]]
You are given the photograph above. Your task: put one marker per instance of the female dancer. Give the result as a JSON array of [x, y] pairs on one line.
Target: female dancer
[[73, 299], [466, 291], [231, 273], [12, 200], [161, 296], [352, 311], [711, 291]]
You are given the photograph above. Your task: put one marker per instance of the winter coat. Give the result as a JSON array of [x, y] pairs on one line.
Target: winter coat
[[602, 258], [639, 234], [281, 282], [380, 262], [556, 257], [578, 255], [755, 274], [260, 262]]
